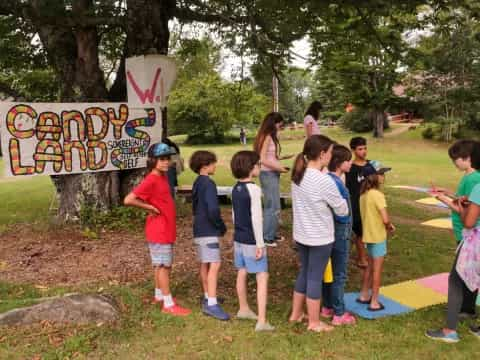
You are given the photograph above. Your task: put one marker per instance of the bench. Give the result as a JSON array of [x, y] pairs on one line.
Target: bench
[[224, 195]]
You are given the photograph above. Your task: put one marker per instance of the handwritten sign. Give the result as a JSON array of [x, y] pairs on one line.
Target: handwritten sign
[[149, 79], [56, 139]]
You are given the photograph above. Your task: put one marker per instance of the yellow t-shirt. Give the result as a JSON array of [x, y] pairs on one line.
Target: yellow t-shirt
[[370, 205]]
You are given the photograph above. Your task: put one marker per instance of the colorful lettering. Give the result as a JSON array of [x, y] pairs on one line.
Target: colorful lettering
[[12, 115]]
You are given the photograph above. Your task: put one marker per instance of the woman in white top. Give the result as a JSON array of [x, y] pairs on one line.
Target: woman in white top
[[312, 115], [314, 197]]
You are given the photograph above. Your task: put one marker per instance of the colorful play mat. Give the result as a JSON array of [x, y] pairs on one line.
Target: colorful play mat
[[403, 297]]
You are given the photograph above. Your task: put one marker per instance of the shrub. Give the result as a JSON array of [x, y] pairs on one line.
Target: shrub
[[428, 133], [357, 120]]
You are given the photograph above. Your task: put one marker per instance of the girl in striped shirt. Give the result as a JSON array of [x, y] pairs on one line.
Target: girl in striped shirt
[[314, 197]]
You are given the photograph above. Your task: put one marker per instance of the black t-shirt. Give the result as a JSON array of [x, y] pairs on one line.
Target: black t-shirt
[[353, 180]]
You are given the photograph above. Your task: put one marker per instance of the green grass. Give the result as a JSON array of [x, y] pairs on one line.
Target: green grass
[[144, 333]]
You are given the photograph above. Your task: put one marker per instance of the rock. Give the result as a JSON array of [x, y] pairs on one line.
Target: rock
[[71, 309]]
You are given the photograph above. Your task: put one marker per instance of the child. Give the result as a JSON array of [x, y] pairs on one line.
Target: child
[[464, 154], [153, 195], [208, 226], [353, 180], [376, 223], [315, 198], [333, 304], [250, 255]]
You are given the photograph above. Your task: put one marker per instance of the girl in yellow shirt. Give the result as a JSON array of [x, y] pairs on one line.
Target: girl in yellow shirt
[[376, 224]]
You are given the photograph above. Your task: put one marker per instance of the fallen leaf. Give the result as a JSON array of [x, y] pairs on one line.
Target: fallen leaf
[[228, 338]]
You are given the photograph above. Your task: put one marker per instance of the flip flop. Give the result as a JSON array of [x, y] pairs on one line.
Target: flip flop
[[300, 319], [376, 309], [364, 302]]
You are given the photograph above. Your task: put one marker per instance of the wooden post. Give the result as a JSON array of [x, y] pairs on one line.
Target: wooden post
[[275, 93]]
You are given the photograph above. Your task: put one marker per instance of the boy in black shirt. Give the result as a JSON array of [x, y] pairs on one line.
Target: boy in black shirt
[[354, 179]]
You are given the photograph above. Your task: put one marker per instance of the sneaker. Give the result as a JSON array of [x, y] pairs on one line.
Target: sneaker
[[279, 238], [202, 300], [176, 310], [271, 243], [215, 311], [326, 313], [475, 330], [345, 319], [248, 315], [264, 327], [441, 336]]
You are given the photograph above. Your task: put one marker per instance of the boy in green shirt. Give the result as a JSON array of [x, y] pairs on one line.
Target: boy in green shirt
[[465, 154]]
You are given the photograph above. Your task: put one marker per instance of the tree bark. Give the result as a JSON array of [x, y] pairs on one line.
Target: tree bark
[[378, 123]]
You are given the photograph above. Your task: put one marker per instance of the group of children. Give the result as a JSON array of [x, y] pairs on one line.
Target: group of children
[[325, 207]]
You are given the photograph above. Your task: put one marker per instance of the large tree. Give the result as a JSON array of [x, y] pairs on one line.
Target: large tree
[[78, 37]]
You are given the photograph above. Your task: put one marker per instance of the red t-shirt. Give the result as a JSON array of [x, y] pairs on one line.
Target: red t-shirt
[[154, 189]]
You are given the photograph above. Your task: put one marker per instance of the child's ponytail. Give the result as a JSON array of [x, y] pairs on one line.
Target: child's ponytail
[[312, 150], [299, 168]]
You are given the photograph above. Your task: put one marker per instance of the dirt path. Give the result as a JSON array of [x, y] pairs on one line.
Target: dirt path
[[398, 129]]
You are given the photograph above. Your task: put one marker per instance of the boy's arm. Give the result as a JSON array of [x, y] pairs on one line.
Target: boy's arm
[[133, 200], [256, 212], [213, 210]]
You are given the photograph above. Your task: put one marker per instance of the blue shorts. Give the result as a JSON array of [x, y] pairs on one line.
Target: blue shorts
[[376, 250], [244, 258]]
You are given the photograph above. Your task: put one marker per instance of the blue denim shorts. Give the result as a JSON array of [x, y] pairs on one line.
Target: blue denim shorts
[[376, 250], [244, 258]]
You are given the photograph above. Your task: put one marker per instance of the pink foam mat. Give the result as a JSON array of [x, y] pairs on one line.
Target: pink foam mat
[[437, 282]]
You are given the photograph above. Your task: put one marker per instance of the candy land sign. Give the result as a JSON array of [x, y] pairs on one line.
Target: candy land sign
[[69, 138]]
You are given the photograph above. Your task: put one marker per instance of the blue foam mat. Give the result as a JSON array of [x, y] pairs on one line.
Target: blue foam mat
[[391, 307]]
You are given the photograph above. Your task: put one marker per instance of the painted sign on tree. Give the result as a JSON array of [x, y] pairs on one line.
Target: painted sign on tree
[[149, 79], [56, 139]]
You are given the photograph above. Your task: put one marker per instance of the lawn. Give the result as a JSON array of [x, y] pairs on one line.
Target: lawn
[[144, 333]]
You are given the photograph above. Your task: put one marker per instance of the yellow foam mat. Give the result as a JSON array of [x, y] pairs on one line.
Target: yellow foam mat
[[429, 201], [444, 223], [411, 294]]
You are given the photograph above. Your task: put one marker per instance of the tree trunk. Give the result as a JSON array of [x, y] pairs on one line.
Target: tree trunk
[[152, 37], [378, 123]]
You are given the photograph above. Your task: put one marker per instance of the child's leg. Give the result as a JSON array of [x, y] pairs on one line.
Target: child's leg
[[262, 293], [212, 280], [242, 291], [204, 267], [361, 253], [376, 281], [300, 285], [164, 280], [367, 281]]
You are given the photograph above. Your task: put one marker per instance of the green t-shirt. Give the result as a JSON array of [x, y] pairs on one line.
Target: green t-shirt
[[465, 188], [475, 195]]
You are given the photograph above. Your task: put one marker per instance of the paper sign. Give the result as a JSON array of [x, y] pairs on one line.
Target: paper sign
[[56, 139], [149, 80]]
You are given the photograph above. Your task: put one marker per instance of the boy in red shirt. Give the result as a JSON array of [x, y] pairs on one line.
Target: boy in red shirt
[[153, 195]]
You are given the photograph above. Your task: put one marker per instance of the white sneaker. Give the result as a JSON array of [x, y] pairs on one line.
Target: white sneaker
[[248, 315]]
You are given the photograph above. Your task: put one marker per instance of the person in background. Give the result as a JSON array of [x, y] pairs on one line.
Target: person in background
[[243, 136], [250, 254], [315, 199], [353, 180], [267, 146], [310, 121], [176, 167]]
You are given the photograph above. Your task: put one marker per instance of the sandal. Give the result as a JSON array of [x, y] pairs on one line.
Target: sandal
[[300, 319], [322, 327], [364, 302], [377, 309]]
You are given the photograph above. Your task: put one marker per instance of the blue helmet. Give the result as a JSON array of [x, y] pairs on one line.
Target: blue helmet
[[161, 149]]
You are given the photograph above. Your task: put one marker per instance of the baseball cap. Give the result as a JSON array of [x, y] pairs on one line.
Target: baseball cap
[[161, 149], [376, 167]]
